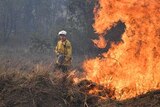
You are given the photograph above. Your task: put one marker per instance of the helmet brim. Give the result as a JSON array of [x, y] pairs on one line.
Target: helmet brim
[[62, 35]]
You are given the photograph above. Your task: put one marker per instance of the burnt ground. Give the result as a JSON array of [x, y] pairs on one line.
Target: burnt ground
[[42, 88], [150, 99]]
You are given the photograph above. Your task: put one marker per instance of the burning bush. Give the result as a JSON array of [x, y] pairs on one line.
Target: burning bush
[[131, 67]]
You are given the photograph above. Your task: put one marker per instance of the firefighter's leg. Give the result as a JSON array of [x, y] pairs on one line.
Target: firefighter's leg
[[64, 68], [57, 67]]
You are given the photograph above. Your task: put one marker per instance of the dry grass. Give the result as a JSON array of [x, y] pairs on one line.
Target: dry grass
[[56, 89], [38, 89], [27, 80]]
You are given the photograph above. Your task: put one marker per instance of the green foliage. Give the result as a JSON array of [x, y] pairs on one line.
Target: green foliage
[[21, 18], [39, 45], [80, 20], [81, 14]]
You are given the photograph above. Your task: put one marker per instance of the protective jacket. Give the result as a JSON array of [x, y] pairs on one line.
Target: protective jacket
[[64, 48]]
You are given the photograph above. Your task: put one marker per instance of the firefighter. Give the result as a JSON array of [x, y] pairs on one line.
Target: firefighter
[[63, 52]]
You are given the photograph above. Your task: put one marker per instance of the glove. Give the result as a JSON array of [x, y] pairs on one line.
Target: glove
[[58, 54], [67, 58]]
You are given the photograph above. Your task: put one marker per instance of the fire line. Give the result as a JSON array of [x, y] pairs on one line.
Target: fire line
[[133, 65]]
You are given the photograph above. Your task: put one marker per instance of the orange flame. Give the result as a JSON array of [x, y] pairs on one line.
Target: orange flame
[[101, 43], [132, 67]]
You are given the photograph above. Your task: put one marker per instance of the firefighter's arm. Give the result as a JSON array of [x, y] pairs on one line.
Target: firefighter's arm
[[69, 51], [56, 49]]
